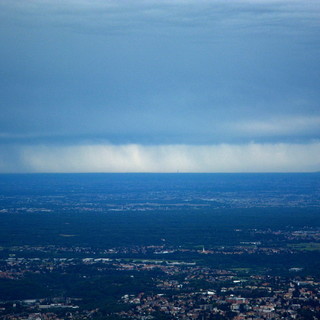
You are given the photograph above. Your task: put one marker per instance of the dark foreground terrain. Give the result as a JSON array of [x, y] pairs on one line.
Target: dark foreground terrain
[[160, 246]]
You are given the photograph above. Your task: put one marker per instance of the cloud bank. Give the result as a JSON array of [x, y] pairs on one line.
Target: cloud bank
[[159, 72], [250, 157], [159, 86]]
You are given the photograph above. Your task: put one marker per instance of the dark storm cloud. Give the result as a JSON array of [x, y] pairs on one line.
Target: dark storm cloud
[[187, 72]]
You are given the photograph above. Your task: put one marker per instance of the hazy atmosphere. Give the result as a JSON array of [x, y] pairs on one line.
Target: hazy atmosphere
[[160, 86]]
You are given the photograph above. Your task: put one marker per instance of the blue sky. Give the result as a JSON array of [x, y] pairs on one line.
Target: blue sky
[[195, 86]]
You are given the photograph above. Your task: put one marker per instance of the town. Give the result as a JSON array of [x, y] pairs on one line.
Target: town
[[162, 247], [172, 288]]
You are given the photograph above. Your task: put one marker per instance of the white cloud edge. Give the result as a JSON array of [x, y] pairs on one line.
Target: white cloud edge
[[289, 125], [251, 157]]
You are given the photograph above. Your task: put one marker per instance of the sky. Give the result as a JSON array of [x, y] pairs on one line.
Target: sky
[[159, 86]]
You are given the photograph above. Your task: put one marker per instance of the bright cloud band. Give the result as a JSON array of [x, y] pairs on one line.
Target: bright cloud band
[[252, 157]]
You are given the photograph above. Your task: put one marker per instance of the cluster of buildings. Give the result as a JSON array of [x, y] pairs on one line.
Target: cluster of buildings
[[180, 290], [257, 297], [262, 298], [182, 286]]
